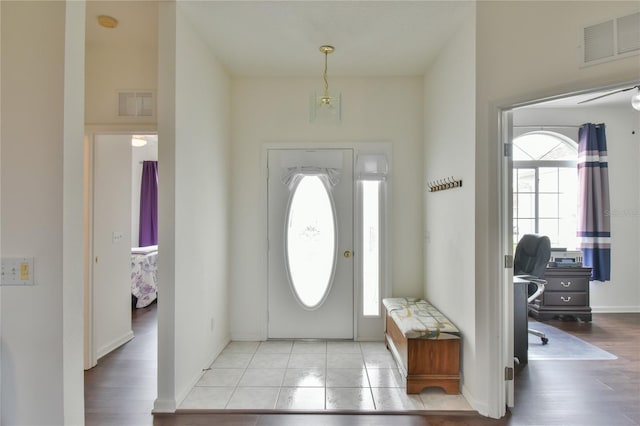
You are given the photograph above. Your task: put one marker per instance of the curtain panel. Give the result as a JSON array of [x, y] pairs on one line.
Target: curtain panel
[[594, 224], [148, 235]]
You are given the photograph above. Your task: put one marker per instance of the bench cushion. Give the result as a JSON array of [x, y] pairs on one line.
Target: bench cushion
[[417, 318]]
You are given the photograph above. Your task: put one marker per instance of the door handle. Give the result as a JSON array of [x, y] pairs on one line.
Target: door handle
[[347, 254]]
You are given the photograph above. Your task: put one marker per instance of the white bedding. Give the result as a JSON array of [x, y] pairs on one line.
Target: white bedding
[[144, 275], [144, 250]]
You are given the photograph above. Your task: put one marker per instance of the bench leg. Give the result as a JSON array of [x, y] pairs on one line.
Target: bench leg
[[415, 384]]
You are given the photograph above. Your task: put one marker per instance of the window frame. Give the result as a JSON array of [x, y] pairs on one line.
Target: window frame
[[536, 165], [291, 276], [360, 245]]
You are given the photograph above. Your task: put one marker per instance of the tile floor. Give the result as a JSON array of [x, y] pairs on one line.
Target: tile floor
[[311, 376]]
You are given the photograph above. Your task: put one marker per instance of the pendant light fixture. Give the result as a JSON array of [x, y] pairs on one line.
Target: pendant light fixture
[[138, 141], [326, 108]]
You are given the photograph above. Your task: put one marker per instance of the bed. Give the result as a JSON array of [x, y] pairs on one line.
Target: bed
[[144, 275]]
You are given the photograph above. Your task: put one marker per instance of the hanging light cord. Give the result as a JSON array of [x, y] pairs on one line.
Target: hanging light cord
[[326, 82]]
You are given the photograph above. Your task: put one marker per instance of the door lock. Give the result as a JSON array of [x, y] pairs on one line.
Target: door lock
[[347, 254]]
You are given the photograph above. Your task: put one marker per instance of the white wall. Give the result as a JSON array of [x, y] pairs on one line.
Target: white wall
[[525, 51], [375, 110], [149, 152], [116, 67], [622, 293], [449, 144], [194, 192], [32, 209]]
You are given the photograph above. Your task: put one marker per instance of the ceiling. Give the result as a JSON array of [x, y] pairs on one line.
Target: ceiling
[[282, 38]]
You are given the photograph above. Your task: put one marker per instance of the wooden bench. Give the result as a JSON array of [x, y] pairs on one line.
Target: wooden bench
[[424, 343]]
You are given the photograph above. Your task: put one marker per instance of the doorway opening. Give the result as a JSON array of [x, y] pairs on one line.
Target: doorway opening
[[121, 274], [538, 186]]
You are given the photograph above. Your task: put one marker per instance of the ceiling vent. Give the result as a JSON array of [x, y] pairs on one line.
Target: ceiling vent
[[611, 40], [135, 104]]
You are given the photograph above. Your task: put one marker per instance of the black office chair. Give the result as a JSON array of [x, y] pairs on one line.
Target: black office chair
[[530, 261]]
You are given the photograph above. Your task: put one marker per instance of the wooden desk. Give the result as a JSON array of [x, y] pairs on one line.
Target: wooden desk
[[520, 322]]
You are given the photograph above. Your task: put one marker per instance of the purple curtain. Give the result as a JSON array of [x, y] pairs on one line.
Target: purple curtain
[[594, 225], [149, 204]]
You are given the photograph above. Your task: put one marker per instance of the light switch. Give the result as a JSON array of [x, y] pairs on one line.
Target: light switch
[[116, 237], [17, 271]]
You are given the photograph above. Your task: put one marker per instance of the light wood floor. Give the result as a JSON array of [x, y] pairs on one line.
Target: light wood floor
[[121, 389]]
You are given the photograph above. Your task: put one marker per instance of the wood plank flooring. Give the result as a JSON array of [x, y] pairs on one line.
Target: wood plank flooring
[[121, 389]]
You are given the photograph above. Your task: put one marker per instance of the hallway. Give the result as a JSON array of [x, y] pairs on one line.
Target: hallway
[[317, 376], [121, 389]]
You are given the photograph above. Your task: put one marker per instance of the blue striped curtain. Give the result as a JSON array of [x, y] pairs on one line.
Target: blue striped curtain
[[594, 225]]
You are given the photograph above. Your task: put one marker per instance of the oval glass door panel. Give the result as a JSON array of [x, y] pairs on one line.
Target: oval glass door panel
[[310, 242]]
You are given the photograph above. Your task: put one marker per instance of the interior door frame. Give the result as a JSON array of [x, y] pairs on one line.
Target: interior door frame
[[505, 134], [506, 248], [385, 147], [90, 350]]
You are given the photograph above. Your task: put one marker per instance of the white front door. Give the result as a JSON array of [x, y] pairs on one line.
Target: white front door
[[310, 214]]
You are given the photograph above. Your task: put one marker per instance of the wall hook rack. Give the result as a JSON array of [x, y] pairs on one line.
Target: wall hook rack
[[443, 184]]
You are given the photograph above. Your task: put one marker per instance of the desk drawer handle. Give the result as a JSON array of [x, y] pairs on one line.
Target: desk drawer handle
[[567, 284], [566, 299]]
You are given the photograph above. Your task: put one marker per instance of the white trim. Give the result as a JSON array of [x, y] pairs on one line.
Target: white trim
[[91, 354], [508, 105], [615, 309], [506, 249], [114, 344], [73, 231], [482, 407], [90, 350], [1, 381], [196, 378], [164, 406]]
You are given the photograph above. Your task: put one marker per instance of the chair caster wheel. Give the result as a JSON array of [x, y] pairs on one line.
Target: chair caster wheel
[[545, 340]]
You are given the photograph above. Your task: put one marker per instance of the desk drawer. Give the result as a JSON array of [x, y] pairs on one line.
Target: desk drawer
[[564, 298], [573, 284]]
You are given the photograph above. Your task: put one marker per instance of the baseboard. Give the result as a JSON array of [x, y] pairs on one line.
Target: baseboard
[[481, 407], [615, 309], [114, 344], [163, 406], [247, 337], [196, 378]]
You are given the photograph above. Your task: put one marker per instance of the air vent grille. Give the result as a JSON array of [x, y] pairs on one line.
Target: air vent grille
[[598, 41], [135, 104], [629, 33], [610, 40]]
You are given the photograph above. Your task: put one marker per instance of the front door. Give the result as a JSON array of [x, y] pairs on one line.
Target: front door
[[310, 221]]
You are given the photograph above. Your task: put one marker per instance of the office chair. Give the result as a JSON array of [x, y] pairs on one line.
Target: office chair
[[529, 263]]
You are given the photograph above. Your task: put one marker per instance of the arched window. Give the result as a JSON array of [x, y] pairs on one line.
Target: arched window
[[545, 187]]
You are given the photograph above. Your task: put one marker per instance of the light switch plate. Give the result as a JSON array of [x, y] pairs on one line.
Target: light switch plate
[[17, 271]]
